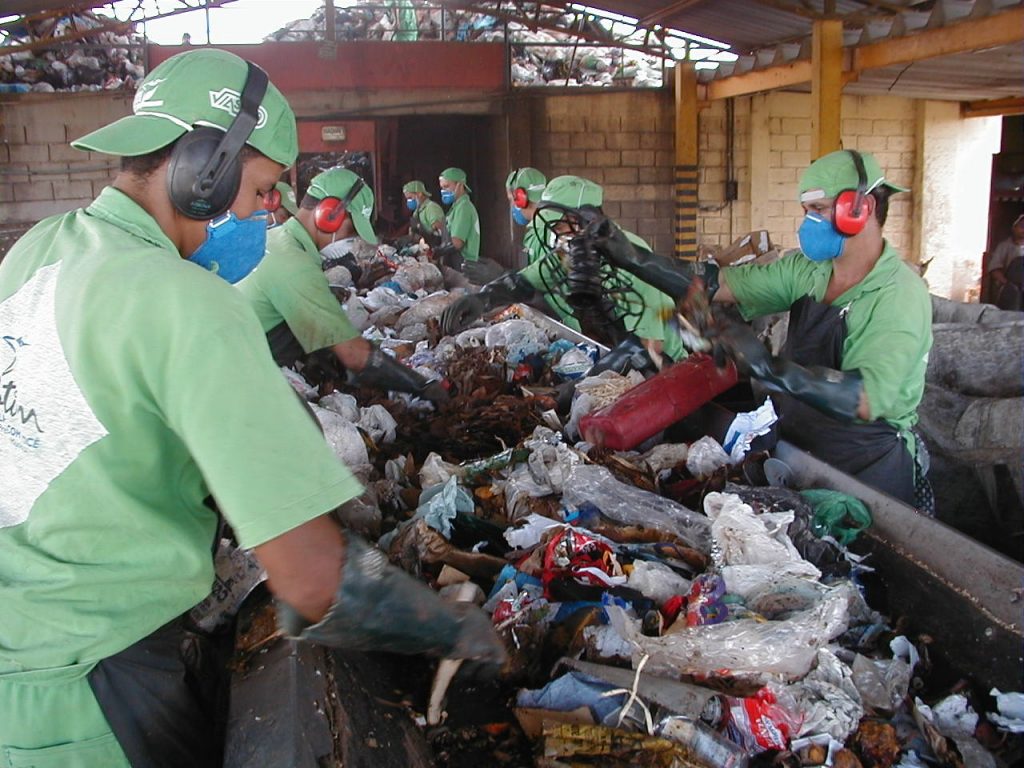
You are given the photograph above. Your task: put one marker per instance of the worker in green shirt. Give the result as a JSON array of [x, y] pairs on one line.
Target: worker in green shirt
[[294, 302], [626, 304], [281, 204], [137, 383], [427, 217], [462, 221], [852, 371], [524, 187]]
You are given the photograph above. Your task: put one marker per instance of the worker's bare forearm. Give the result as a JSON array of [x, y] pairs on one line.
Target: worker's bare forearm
[[304, 566]]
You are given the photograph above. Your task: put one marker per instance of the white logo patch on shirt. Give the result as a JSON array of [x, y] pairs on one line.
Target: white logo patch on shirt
[[45, 421]]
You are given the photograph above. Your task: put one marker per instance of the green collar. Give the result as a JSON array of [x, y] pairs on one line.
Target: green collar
[[881, 275], [115, 207], [301, 235]]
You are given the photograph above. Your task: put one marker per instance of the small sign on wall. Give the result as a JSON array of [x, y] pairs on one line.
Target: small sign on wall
[[332, 133]]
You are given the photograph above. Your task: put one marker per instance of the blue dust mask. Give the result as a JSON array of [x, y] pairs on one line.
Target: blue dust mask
[[518, 217], [819, 240], [412, 203], [447, 196], [233, 246]]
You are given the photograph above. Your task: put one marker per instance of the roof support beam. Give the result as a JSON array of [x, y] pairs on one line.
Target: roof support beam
[[1005, 28], [686, 161], [826, 86], [663, 13], [768, 79], [992, 107]]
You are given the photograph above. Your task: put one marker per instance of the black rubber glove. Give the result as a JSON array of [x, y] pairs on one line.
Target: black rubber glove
[[670, 276], [464, 311], [384, 372], [834, 393], [628, 355], [379, 607]]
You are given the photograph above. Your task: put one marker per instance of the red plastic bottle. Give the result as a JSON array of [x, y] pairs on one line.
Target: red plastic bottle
[[662, 400]]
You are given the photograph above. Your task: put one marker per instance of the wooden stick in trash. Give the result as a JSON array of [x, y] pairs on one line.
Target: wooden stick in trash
[[448, 667]]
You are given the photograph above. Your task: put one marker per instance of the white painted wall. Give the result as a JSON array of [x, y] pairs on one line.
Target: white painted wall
[[952, 185]]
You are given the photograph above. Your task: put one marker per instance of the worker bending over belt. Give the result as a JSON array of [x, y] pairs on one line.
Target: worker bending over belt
[[143, 385], [852, 372]]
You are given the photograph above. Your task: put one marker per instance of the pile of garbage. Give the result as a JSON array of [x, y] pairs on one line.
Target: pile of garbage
[[539, 57], [672, 605], [104, 60]]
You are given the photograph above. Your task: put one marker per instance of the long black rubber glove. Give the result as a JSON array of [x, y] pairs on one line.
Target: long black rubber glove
[[628, 355], [384, 372], [834, 393], [466, 310], [379, 607], [670, 276]]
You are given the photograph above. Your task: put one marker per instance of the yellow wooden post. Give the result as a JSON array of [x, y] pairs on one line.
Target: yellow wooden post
[[826, 86], [686, 161]]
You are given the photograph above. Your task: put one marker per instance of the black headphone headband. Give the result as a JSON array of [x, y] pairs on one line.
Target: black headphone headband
[[204, 171], [862, 181]]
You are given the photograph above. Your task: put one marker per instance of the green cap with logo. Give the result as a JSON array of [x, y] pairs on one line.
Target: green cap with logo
[[827, 176], [412, 187], [337, 182], [287, 197], [570, 192], [529, 179], [196, 88], [456, 176]]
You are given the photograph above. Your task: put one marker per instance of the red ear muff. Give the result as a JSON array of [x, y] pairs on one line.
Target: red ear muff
[[272, 201], [329, 215], [519, 198], [849, 212]]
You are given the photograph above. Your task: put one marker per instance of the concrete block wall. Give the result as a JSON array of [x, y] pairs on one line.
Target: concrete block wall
[[772, 148], [623, 141], [40, 174]]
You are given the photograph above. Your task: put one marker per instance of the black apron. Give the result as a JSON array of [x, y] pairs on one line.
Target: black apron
[[165, 698], [874, 453]]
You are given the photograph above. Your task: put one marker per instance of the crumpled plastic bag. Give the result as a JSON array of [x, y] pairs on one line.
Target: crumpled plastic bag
[[629, 505], [429, 307], [747, 580], [747, 426], [338, 277], [657, 581], [357, 314], [299, 384], [1011, 711], [344, 438], [746, 648], [665, 456], [837, 514], [381, 297], [528, 531], [413, 276], [520, 338], [882, 683], [342, 404], [440, 504], [378, 424], [436, 470], [705, 457], [828, 698], [743, 538]]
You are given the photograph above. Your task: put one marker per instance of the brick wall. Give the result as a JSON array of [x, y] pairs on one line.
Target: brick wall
[[772, 148], [40, 174], [623, 141]]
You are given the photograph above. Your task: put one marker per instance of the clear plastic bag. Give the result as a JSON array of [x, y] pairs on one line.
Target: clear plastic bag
[[344, 438], [378, 424], [705, 457], [520, 338], [629, 505], [657, 581], [744, 538], [745, 648]]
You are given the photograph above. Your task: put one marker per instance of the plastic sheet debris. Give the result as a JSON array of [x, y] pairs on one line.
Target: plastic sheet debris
[[520, 338], [1011, 711], [705, 457], [838, 515], [628, 505], [746, 427], [376, 422], [827, 699], [344, 438]]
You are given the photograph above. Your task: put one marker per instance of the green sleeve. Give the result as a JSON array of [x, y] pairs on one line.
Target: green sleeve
[[533, 246], [260, 453], [764, 289], [889, 345], [432, 214], [299, 290]]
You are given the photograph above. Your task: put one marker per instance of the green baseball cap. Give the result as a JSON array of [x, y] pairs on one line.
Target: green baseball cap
[[530, 179], [455, 175], [827, 176], [337, 182], [195, 88], [415, 186], [572, 192], [287, 197]]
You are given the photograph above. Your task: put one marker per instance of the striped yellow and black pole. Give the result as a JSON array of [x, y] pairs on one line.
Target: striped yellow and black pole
[[685, 223]]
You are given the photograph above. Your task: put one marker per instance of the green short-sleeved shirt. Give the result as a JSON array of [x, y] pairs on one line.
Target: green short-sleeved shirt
[[648, 320], [464, 223], [534, 248], [289, 286], [888, 322], [143, 384], [428, 213]]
